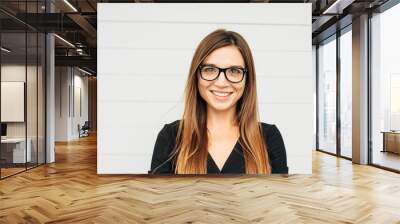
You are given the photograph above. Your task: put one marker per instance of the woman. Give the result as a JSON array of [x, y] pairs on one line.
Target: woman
[[220, 130]]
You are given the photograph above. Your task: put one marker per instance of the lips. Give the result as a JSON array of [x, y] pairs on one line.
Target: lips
[[220, 93]]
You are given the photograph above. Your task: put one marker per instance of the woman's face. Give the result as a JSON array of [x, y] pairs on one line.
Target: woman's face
[[221, 94]]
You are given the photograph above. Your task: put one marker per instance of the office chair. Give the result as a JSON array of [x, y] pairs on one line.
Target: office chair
[[84, 130]]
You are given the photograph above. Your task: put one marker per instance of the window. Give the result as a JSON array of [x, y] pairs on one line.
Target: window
[[346, 93], [327, 96], [385, 89]]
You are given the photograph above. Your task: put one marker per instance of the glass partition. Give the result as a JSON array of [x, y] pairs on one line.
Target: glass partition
[[327, 96], [22, 77], [33, 56], [13, 110], [41, 107], [32, 95]]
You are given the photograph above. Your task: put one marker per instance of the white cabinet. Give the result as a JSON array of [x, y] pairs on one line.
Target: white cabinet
[[18, 149]]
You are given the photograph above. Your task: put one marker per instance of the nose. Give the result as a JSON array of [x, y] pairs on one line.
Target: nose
[[221, 80]]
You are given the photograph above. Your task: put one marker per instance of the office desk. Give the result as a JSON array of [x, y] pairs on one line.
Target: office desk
[[15, 148], [391, 141]]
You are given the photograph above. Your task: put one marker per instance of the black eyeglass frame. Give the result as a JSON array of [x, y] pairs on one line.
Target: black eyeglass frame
[[224, 71]]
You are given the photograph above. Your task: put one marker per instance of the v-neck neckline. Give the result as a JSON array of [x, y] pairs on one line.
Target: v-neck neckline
[[227, 159]]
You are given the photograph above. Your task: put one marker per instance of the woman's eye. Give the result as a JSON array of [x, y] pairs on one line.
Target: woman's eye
[[210, 69], [235, 71]]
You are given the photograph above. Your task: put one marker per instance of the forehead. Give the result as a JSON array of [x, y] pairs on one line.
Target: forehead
[[225, 57]]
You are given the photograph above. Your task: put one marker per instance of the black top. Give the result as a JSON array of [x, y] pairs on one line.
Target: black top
[[234, 164]]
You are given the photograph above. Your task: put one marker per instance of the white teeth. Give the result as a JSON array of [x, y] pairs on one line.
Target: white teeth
[[220, 93]]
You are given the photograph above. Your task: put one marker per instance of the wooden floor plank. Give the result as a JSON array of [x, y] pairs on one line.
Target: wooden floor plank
[[70, 191]]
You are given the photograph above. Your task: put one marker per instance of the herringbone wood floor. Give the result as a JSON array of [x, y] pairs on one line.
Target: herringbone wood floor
[[70, 191]]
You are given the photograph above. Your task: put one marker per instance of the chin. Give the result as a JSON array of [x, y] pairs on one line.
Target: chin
[[217, 107]]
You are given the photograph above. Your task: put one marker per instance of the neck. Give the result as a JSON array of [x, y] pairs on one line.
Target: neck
[[221, 120]]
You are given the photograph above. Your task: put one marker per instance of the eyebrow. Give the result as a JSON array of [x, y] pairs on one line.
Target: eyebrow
[[233, 66]]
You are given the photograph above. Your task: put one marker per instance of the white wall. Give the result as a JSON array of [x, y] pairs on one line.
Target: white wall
[[79, 117], [61, 103], [144, 54], [67, 81]]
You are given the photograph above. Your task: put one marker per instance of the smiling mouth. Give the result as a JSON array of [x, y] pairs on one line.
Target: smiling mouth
[[221, 94]]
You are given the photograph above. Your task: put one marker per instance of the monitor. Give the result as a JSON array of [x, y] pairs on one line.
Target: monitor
[[3, 129]]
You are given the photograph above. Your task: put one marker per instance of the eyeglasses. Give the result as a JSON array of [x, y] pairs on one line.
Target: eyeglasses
[[232, 74]]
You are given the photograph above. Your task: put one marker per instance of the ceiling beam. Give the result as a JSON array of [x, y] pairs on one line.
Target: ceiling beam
[[86, 26], [85, 61]]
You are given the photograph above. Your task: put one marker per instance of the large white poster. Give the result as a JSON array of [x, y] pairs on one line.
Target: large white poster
[[144, 57], [12, 101]]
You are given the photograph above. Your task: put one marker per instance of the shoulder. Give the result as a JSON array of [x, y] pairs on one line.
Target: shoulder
[[169, 132], [271, 134], [174, 124], [275, 148], [170, 129], [163, 147], [269, 129]]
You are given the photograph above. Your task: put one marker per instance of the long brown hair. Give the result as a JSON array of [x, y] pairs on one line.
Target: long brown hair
[[191, 150]]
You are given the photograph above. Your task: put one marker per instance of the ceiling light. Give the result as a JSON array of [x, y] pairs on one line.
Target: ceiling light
[[70, 5], [331, 7], [64, 40], [84, 71], [5, 50], [337, 7]]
